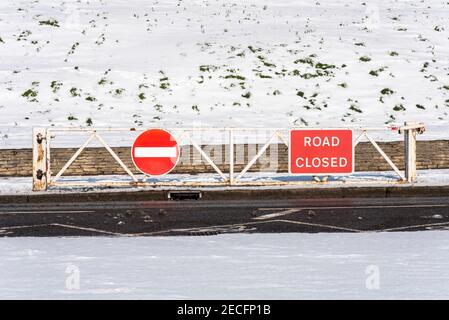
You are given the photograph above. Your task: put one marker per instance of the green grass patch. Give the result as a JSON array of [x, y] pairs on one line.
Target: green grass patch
[[23, 36], [353, 107], [55, 86], [365, 59], [308, 61], [399, 107], [253, 49], [208, 68], [247, 95], [235, 76], [74, 92], [30, 93], [49, 22], [117, 92], [324, 66], [386, 91]]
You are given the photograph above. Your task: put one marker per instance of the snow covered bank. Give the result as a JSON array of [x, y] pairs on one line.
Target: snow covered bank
[[257, 266], [10, 186], [212, 63]]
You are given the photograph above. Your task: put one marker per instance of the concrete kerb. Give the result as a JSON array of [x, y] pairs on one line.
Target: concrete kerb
[[232, 194]]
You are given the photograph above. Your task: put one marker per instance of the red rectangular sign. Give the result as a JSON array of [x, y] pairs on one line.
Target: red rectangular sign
[[321, 151]]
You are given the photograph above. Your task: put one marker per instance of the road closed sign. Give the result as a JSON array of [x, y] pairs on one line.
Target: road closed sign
[[155, 152], [321, 151]]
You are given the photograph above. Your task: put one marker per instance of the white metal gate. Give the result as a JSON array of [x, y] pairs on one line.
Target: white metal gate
[[43, 175]]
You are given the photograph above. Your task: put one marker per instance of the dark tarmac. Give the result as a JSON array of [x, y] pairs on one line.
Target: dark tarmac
[[211, 217]]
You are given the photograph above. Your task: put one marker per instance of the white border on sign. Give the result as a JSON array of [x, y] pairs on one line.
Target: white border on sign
[[177, 147], [320, 174]]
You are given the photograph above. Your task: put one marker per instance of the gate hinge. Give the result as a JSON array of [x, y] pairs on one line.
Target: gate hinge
[[39, 138], [40, 174]]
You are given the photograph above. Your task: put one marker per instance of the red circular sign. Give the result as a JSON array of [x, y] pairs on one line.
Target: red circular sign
[[155, 152]]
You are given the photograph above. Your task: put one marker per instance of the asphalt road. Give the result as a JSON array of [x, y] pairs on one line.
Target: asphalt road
[[204, 217]]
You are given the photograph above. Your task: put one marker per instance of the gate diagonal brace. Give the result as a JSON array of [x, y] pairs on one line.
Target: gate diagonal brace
[[384, 155], [207, 158], [93, 135]]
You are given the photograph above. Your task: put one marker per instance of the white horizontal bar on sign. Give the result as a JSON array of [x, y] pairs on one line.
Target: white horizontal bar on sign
[[155, 152]]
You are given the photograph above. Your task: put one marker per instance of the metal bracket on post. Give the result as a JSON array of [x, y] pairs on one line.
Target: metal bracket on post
[[39, 159]]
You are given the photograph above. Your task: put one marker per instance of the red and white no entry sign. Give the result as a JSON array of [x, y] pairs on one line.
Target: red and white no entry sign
[[321, 151], [155, 152]]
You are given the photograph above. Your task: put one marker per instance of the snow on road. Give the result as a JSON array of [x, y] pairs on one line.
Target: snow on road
[[132, 63], [407, 265]]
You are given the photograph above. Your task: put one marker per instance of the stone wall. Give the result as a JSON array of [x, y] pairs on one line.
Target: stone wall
[[97, 161]]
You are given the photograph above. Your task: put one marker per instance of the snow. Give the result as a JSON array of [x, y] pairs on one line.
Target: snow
[[256, 266], [434, 177], [171, 63]]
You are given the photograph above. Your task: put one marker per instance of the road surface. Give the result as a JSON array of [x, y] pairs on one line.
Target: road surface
[[201, 217]]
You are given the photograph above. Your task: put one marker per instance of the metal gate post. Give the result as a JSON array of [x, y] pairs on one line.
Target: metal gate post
[[410, 153], [40, 159], [231, 156]]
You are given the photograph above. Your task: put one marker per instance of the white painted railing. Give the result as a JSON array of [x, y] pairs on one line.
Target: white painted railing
[[42, 173]]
